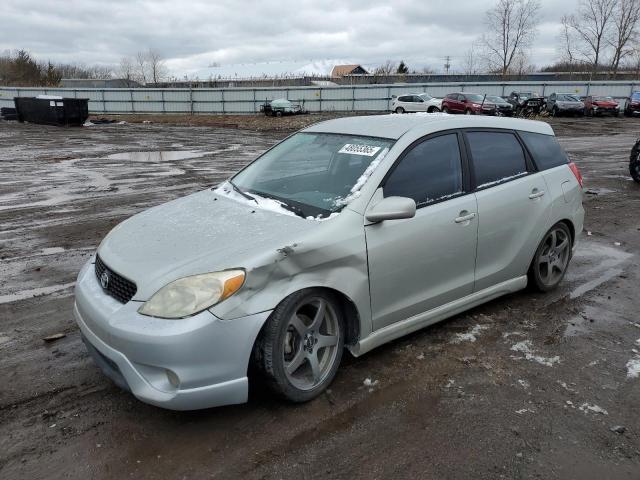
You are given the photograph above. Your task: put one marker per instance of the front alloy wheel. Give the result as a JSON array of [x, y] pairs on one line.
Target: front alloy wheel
[[551, 259], [300, 347]]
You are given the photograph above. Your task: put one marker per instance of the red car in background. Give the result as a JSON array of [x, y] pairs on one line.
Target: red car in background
[[632, 106], [600, 105], [467, 103]]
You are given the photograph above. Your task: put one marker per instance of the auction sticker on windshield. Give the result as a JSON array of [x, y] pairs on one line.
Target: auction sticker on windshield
[[353, 149]]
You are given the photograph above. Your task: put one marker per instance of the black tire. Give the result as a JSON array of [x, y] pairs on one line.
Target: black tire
[[445, 110], [400, 110], [433, 110], [537, 280], [278, 113], [269, 353], [468, 111], [555, 112], [634, 162]]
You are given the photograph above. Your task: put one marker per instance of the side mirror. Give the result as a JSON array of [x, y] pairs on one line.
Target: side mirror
[[392, 208]]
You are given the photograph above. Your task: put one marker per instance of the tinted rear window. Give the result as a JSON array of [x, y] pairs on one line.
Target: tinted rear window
[[497, 157], [545, 150]]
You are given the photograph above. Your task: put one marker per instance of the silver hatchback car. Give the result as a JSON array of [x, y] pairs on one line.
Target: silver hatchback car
[[349, 233]]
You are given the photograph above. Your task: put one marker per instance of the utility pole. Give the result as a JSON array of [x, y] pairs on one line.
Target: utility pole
[[447, 64]]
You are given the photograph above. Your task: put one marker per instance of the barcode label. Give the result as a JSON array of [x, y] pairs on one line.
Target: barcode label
[[353, 149]]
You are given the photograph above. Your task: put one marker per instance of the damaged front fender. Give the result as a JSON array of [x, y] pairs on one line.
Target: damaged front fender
[[332, 256]]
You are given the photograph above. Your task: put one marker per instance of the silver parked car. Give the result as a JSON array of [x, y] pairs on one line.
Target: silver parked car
[[564, 104], [350, 233], [415, 102]]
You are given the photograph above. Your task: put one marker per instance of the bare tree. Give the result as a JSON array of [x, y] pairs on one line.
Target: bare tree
[[470, 61], [592, 25], [386, 68], [625, 22], [141, 66], [567, 41], [126, 70], [156, 66], [511, 26]]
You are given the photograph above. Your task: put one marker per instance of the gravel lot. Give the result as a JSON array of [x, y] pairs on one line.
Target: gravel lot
[[527, 386]]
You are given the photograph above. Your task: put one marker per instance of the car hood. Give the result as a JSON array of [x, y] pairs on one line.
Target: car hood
[[600, 103], [565, 103], [200, 233]]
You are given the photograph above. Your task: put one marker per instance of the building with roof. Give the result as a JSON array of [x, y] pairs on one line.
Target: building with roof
[[343, 70]]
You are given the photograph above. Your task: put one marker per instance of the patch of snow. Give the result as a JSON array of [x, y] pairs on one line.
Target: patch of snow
[[88, 123], [355, 190], [370, 383], [593, 363], [420, 357], [633, 368], [471, 335], [505, 179], [34, 292], [263, 203], [524, 384], [450, 383], [617, 244], [589, 233], [585, 407], [512, 334], [525, 347], [524, 410]]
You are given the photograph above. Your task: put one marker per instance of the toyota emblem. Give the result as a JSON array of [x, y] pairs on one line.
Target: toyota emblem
[[104, 280]]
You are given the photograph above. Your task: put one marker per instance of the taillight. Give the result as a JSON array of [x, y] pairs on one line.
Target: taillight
[[576, 172]]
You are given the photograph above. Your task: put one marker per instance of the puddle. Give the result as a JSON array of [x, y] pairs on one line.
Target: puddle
[[592, 319], [599, 191], [158, 156]]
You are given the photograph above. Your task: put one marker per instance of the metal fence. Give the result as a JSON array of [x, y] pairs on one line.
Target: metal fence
[[371, 98]]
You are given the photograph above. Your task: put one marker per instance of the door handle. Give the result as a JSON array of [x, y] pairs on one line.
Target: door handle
[[465, 217], [536, 194]]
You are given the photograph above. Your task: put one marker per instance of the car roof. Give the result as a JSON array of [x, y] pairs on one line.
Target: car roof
[[394, 126]]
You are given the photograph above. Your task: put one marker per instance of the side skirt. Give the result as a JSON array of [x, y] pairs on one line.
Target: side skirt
[[411, 324]]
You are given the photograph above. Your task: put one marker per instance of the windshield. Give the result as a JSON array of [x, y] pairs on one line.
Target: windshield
[[636, 96], [314, 174], [563, 97], [526, 95], [425, 96], [474, 97], [602, 99], [494, 99]]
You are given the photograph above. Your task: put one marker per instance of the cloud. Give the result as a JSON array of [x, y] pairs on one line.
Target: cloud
[[191, 35]]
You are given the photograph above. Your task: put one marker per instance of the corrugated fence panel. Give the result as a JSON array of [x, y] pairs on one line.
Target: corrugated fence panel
[[314, 99]]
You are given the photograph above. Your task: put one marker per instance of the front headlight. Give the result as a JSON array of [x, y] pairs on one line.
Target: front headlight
[[190, 295]]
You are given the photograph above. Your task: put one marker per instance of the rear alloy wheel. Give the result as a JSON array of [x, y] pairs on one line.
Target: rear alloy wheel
[[551, 259], [300, 347], [399, 110], [445, 110]]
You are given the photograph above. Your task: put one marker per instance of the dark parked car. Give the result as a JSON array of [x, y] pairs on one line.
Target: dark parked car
[[527, 103], [632, 105], [503, 107], [599, 105], [634, 162], [467, 103]]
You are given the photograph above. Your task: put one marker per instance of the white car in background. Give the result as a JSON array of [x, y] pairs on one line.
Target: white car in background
[[415, 102]]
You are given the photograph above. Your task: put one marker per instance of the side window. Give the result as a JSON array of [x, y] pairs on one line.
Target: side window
[[403, 99], [431, 171], [461, 98], [417, 99], [545, 150], [451, 96], [497, 157]]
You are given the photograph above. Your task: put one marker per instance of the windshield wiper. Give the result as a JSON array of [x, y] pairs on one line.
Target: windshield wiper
[[245, 195]]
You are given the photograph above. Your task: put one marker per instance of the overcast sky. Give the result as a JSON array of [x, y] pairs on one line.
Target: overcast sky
[[193, 34]]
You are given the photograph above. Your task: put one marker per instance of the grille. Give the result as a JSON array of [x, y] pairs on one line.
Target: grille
[[118, 287]]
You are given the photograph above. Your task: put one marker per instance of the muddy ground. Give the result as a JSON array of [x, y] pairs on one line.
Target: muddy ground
[[527, 386]]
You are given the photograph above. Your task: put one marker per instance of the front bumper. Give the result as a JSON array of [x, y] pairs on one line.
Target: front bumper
[[193, 363]]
